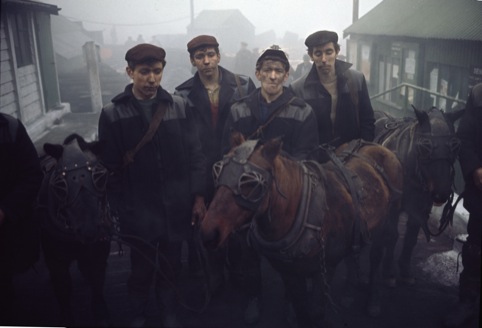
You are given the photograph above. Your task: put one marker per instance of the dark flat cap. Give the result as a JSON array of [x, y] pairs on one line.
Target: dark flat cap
[[274, 53], [202, 41], [320, 38], [145, 51]]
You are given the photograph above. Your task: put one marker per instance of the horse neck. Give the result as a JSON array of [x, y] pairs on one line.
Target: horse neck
[[283, 200]]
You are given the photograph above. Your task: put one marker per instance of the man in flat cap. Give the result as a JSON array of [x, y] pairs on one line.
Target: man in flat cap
[[209, 94], [337, 93], [152, 148], [271, 111]]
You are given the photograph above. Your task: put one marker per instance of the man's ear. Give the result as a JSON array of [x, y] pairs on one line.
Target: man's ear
[[129, 71]]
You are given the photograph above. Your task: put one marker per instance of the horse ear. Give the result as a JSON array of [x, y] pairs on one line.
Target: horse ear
[[421, 115], [272, 148], [237, 138], [55, 151], [454, 116]]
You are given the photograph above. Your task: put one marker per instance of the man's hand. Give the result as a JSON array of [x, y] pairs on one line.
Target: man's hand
[[198, 210], [478, 178]]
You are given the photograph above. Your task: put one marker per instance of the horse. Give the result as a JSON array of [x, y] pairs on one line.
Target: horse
[[75, 221], [304, 217], [427, 148]]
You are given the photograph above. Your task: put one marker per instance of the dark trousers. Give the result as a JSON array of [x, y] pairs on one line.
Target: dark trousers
[[158, 262], [470, 277], [243, 264]]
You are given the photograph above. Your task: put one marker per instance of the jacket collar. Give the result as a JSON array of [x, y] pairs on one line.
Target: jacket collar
[[225, 77], [341, 68], [127, 95]]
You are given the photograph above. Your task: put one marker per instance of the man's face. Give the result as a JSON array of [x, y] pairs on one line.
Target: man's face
[[206, 61], [146, 79], [324, 58], [272, 76]]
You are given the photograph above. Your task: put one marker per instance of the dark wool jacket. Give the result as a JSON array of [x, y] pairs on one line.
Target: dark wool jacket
[[470, 155], [20, 180], [154, 194], [354, 112], [296, 123], [197, 98]]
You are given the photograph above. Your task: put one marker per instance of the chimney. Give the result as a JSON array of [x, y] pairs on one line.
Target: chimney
[[356, 4]]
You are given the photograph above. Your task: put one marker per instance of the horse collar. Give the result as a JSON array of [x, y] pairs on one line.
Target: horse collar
[[303, 237]]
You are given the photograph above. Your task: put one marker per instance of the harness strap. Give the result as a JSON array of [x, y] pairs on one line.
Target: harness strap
[[359, 230], [275, 113], [156, 120]]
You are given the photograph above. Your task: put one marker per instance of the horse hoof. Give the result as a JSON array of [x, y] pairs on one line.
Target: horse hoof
[[374, 310]]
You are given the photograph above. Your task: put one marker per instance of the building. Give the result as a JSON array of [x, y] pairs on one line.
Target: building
[[229, 26], [421, 52], [29, 87]]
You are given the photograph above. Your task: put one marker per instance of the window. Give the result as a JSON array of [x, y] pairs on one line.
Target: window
[[447, 81], [22, 39]]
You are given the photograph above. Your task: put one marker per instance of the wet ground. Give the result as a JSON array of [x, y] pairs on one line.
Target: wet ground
[[422, 305], [419, 306]]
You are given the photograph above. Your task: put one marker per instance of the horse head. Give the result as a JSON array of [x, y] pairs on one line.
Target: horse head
[[75, 188], [244, 181], [436, 151]]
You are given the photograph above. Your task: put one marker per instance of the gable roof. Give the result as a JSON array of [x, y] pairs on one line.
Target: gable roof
[[209, 19], [435, 19]]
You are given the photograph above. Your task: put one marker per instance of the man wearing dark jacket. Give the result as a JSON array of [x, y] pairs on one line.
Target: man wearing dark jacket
[[20, 179], [275, 106], [271, 111], [337, 93], [470, 158], [209, 94], [157, 189]]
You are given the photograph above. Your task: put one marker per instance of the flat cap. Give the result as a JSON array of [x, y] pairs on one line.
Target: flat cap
[[145, 51], [274, 53], [202, 41], [320, 38]]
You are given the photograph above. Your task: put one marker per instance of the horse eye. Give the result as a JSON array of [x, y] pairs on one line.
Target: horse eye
[[424, 148], [454, 145], [99, 177], [59, 187], [252, 186], [217, 168]]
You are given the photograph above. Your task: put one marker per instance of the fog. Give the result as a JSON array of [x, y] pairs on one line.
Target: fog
[[153, 17]]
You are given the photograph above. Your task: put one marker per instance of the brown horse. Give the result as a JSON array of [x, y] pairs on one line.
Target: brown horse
[[304, 217]]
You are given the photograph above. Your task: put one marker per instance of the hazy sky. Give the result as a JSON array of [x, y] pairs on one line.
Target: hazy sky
[[151, 17]]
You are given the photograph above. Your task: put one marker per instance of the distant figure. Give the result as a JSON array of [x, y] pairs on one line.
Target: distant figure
[[302, 68], [243, 60], [140, 39], [130, 41]]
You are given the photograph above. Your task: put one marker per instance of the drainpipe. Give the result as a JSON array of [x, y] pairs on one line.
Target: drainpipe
[[356, 5]]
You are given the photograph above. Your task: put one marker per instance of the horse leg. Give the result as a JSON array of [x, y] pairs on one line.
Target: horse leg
[[376, 255], [58, 259], [390, 241], [409, 242], [92, 265]]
